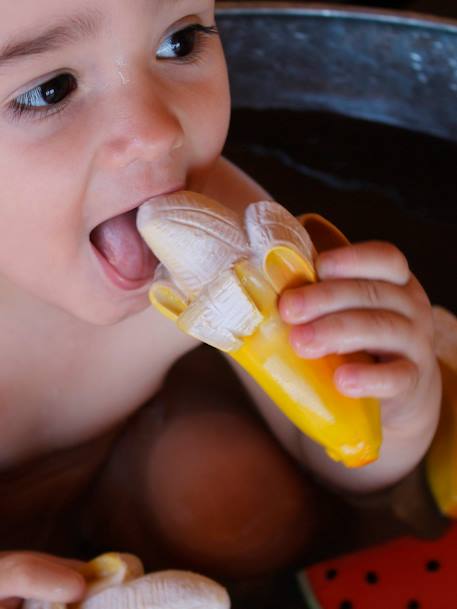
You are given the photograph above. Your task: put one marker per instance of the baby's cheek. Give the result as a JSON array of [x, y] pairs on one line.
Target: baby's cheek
[[209, 135]]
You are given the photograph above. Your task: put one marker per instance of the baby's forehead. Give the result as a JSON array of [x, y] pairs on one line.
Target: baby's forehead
[[33, 27], [28, 36], [30, 13]]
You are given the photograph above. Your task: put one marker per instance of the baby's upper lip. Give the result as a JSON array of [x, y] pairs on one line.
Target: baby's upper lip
[[165, 190]]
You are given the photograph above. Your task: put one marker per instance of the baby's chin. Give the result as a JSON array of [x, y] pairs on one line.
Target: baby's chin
[[102, 313], [113, 317], [110, 318]]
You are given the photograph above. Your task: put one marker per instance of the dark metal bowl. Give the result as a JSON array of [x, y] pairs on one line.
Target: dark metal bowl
[[359, 111], [388, 66]]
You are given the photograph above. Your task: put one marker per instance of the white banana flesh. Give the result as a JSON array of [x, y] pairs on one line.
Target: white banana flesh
[[199, 243]]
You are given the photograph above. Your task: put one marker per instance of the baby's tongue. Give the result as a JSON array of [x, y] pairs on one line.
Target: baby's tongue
[[119, 241]]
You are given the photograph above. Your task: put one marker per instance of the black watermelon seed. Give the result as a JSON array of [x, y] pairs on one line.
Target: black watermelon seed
[[371, 577], [413, 604], [433, 565], [346, 604], [331, 574]]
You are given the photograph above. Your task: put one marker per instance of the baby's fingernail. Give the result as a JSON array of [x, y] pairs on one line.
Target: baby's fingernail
[[348, 384], [325, 265], [291, 306], [350, 390], [302, 339]]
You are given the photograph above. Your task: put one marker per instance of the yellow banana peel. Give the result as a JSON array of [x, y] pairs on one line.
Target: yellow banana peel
[[232, 305], [441, 459], [110, 569]]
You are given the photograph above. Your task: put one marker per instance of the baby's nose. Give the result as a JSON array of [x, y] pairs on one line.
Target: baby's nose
[[142, 127]]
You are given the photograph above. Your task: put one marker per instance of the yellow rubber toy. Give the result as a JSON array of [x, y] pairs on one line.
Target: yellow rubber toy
[[348, 428]]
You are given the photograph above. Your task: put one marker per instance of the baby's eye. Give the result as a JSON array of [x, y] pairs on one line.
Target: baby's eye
[[184, 43], [45, 97]]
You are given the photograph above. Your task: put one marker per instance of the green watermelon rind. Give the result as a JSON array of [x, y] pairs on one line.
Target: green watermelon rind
[[307, 591]]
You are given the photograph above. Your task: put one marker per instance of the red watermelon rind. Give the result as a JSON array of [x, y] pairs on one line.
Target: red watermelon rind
[[307, 591]]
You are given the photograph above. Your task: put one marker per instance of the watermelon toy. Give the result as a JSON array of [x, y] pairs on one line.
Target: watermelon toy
[[405, 573]]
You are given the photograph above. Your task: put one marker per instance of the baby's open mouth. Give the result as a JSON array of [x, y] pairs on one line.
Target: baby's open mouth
[[119, 242]]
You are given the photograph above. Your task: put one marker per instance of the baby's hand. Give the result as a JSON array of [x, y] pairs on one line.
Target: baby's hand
[[368, 300], [31, 575]]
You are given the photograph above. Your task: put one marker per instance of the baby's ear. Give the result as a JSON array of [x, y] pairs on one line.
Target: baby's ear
[[324, 234]]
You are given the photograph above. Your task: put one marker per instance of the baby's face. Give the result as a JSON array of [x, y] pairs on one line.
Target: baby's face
[[103, 104]]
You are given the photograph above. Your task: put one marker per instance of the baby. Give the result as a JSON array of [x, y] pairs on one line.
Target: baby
[[103, 105]]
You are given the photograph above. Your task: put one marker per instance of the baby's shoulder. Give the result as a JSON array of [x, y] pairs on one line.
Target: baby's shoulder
[[230, 185], [58, 393]]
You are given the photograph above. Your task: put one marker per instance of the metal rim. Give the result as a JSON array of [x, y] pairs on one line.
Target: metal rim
[[357, 13]]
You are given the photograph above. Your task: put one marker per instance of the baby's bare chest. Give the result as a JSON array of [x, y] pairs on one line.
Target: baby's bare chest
[[68, 396], [57, 429]]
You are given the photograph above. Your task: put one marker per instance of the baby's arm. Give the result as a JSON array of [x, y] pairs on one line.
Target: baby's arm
[[367, 300], [27, 575]]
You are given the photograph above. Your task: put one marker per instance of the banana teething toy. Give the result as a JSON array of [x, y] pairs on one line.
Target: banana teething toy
[[219, 281], [117, 581]]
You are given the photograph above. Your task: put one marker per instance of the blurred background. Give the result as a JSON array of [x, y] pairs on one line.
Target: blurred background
[[444, 8]]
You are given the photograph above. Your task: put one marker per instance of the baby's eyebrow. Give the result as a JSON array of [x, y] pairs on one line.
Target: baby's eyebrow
[[70, 30]]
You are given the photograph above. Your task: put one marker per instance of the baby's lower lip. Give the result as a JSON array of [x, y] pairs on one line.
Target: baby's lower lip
[[117, 279]]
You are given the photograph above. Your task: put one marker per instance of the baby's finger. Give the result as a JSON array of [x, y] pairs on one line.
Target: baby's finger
[[28, 575], [71, 563], [374, 331], [370, 260], [304, 304], [381, 380]]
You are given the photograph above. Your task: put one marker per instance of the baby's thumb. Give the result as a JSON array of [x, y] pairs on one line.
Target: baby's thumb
[[27, 575], [163, 590]]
